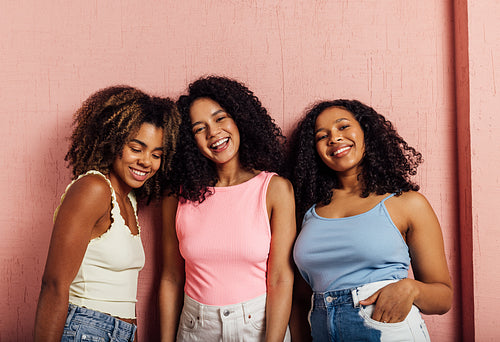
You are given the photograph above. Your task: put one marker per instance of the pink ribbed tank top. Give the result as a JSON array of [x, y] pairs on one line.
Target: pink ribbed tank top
[[225, 242]]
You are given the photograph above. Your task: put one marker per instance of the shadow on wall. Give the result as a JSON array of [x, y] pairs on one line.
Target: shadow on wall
[[148, 316]]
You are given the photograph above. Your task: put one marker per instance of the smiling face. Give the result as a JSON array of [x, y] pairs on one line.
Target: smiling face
[[140, 158], [339, 140], [215, 131]]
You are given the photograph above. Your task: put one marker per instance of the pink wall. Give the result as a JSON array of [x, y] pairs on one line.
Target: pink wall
[[484, 122], [396, 55]]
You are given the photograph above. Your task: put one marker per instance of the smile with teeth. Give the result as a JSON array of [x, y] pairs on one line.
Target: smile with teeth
[[139, 173], [218, 143], [340, 150]]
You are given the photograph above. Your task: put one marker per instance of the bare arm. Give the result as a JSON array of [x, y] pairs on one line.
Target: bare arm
[[431, 291], [280, 201], [173, 276], [301, 304], [87, 203]]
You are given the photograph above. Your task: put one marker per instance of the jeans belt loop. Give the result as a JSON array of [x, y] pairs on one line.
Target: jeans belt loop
[[71, 312], [355, 299], [115, 330], [247, 312]]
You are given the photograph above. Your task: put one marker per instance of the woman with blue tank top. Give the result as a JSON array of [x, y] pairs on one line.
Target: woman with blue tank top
[[363, 225]]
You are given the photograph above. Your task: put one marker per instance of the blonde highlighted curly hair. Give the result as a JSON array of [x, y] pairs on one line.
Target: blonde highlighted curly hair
[[112, 116]]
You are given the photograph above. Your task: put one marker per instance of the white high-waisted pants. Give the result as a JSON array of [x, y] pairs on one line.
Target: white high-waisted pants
[[242, 322]]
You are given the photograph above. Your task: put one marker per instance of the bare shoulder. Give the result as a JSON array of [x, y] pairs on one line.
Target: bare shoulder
[[280, 186], [92, 189], [412, 200], [280, 199]]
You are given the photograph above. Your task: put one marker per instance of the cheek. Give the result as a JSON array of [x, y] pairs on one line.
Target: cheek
[[321, 152], [200, 142], [156, 166]]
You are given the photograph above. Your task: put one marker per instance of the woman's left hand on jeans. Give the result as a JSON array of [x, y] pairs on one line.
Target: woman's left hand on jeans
[[392, 302]]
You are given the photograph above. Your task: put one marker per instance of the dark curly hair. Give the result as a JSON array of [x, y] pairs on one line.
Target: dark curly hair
[[108, 119], [261, 141], [387, 165]]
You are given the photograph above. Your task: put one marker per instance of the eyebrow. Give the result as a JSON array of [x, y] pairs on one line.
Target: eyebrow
[[213, 114], [143, 144], [336, 121]]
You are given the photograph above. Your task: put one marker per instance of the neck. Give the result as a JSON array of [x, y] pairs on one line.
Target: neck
[[351, 182], [121, 189], [232, 174]]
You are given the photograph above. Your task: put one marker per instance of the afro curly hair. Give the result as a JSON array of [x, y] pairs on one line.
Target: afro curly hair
[[387, 165], [261, 141], [108, 119]]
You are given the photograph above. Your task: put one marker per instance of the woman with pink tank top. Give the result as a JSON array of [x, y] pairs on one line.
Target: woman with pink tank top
[[228, 222]]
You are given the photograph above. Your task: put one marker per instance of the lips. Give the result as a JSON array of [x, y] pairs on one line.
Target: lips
[[219, 145], [139, 175], [340, 151]]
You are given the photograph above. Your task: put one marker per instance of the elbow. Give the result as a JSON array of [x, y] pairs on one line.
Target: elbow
[[446, 306], [54, 287], [281, 282], [447, 301], [442, 305]]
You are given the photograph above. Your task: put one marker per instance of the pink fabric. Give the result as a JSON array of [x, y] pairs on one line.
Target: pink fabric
[[225, 243]]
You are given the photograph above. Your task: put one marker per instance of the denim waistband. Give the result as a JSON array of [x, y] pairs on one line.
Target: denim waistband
[[348, 296], [234, 311], [115, 326]]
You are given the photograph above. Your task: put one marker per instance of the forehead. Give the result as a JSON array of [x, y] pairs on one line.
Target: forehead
[[333, 114], [203, 108], [149, 134]]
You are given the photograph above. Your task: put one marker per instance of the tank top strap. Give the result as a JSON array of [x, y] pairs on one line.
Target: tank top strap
[[386, 198], [133, 201], [265, 185], [267, 177], [113, 195]]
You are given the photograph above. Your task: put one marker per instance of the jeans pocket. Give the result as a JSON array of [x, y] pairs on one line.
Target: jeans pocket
[[258, 320], [367, 311], [88, 333], [412, 328], [187, 321]]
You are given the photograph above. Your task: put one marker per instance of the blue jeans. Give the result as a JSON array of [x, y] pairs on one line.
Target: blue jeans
[[337, 316], [84, 324]]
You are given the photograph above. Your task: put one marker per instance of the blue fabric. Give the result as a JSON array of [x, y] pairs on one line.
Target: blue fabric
[[336, 316], [343, 253], [84, 324], [338, 319]]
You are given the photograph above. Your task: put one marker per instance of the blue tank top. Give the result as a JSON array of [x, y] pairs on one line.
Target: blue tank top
[[342, 253]]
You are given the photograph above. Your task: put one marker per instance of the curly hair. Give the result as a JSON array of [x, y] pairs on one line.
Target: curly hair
[[387, 165], [261, 141], [108, 119]]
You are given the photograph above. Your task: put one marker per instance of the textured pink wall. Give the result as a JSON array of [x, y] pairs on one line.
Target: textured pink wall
[[484, 85], [395, 55]]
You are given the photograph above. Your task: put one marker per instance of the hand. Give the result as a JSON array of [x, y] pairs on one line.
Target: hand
[[392, 302]]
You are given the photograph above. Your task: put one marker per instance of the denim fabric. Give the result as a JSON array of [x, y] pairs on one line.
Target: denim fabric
[[337, 316], [84, 324], [243, 322]]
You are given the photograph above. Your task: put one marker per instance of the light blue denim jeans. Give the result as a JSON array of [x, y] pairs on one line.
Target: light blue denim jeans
[[84, 324], [337, 316]]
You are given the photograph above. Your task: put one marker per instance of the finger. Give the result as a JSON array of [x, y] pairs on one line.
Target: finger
[[377, 314], [370, 300]]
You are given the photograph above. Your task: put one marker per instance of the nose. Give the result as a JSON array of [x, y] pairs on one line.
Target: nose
[[335, 138], [212, 130], [146, 160]]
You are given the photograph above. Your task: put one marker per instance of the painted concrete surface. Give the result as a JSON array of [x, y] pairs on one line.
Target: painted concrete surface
[[397, 56]]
